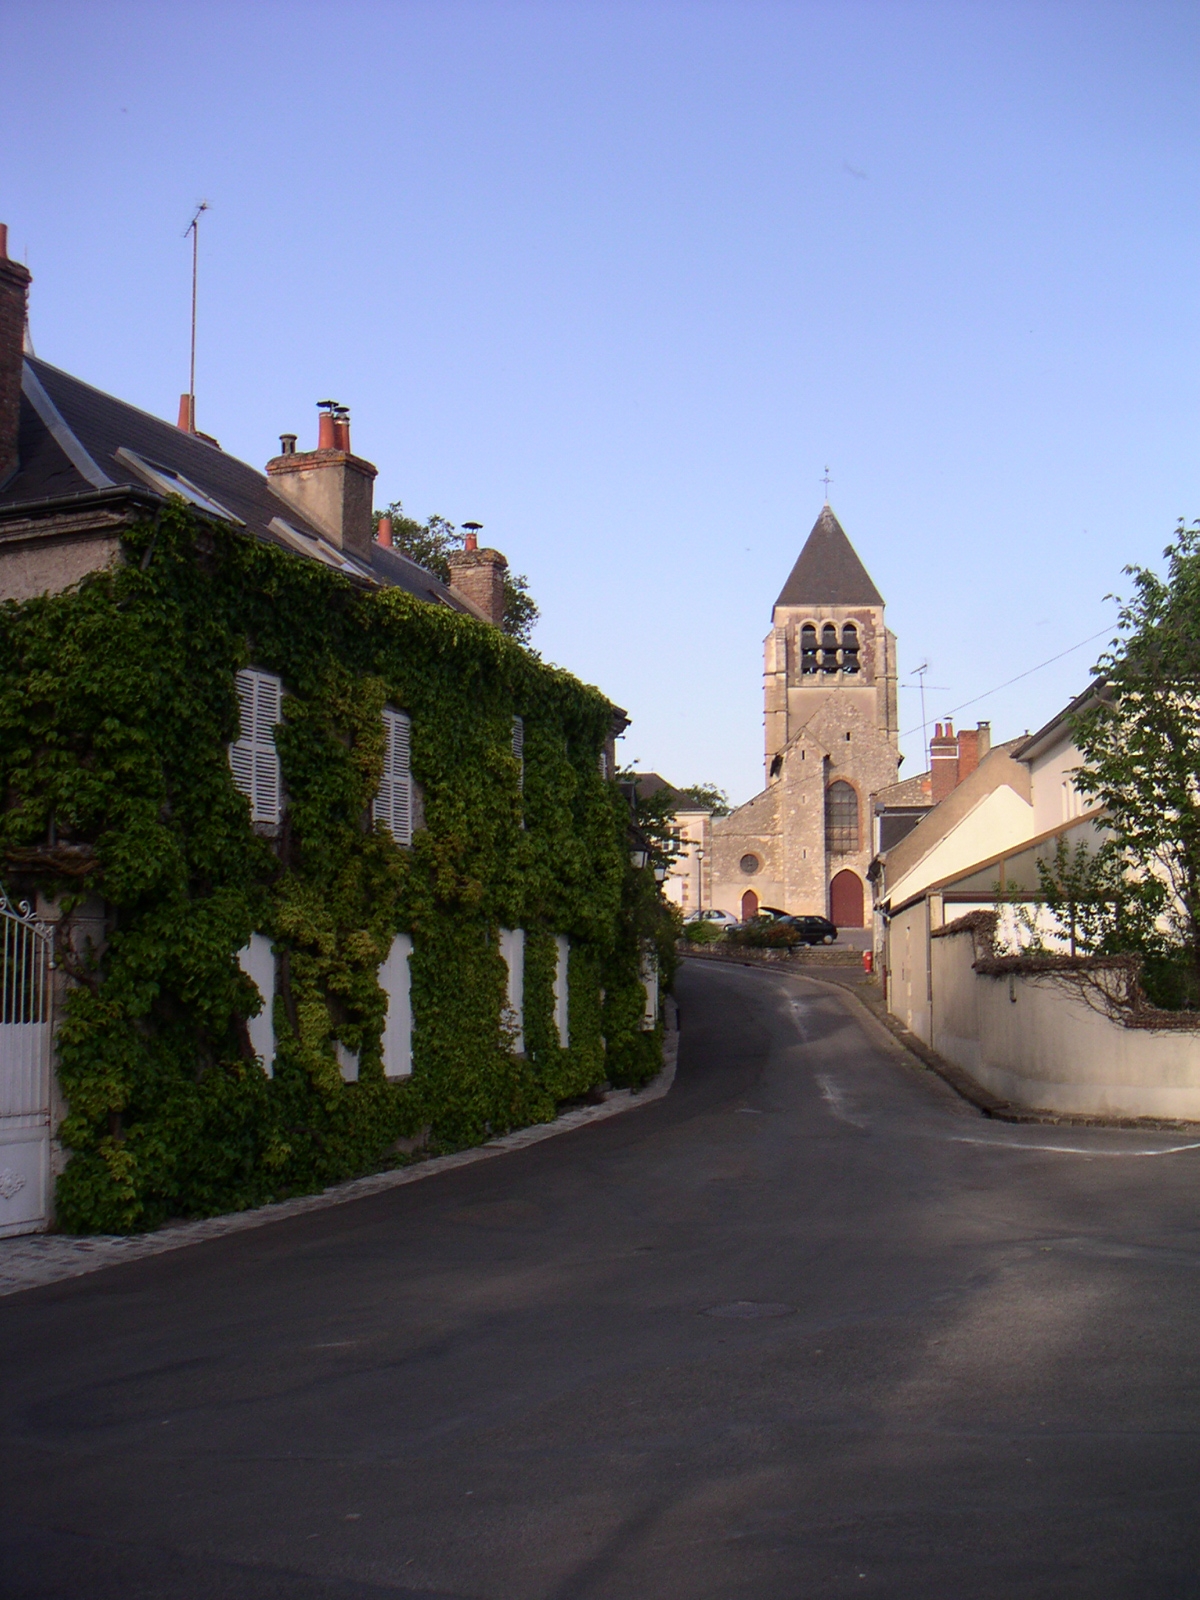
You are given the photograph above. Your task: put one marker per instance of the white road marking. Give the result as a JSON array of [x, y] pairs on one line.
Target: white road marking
[[1071, 1149]]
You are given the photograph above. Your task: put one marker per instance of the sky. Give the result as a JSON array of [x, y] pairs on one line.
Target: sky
[[619, 281]]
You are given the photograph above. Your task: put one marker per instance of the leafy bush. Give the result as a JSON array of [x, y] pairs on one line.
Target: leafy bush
[[702, 932]]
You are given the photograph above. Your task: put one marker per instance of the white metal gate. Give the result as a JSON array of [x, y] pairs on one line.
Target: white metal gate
[[26, 961]]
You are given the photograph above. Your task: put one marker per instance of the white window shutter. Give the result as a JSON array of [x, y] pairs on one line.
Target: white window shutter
[[393, 803], [512, 948], [562, 957], [252, 756], [397, 1030], [518, 748], [257, 961]]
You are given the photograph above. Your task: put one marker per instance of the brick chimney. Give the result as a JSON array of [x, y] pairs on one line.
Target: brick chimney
[[479, 575], [14, 298], [332, 488], [943, 762], [973, 745]]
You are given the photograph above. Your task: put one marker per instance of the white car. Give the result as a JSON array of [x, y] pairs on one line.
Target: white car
[[722, 919]]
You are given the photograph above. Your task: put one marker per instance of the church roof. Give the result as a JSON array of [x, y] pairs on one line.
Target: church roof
[[828, 571]]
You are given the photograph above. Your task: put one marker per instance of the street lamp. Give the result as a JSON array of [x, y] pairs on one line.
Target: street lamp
[[699, 879]]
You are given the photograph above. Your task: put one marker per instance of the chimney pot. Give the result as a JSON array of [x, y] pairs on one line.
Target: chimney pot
[[287, 444], [383, 534], [327, 432], [3, 241], [187, 414], [341, 428]]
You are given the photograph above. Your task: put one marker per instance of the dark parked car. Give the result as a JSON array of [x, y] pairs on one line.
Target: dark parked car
[[777, 929]]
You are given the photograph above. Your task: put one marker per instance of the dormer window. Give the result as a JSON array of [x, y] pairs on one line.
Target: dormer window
[[849, 648]]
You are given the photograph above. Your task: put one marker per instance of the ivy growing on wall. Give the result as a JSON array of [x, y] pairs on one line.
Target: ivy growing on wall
[[117, 704]]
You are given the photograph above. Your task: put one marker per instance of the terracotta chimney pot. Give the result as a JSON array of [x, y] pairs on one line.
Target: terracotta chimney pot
[[383, 533]]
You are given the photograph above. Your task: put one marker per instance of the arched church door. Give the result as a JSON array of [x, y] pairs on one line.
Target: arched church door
[[749, 905], [846, 900]]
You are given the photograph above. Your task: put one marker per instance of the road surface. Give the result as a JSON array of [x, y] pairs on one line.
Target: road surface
[[808, 1327]]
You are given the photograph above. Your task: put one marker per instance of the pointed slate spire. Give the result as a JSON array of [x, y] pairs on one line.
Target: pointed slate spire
[[828, 571]]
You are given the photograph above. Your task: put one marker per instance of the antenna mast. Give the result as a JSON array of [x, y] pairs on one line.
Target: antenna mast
[[193, 228]]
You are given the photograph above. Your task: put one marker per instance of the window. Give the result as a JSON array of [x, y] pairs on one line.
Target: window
[[841, 819], [849, 648], [252, 755], [808, 650], [393, 803], [518, 748], [829, 648], [749, 865]]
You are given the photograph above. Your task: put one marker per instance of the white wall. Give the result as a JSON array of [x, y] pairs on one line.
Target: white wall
[[512, 948], [1034, 1042], [682, 885], [1055, 798], [257, 961], [1000, 821], [907, 958]]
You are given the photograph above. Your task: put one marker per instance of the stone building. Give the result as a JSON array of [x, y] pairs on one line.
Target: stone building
[[829, 696]]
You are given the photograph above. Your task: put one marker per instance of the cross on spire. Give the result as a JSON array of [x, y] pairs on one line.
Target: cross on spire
[[826, 480]]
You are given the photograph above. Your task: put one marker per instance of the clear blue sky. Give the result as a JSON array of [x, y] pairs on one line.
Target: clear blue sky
[[618, 280]]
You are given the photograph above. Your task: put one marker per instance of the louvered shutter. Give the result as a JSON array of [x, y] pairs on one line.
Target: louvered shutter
[[253, 756], [393, 803], [518, 748]]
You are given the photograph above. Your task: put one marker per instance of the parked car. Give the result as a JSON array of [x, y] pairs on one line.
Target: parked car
[[776, 929], [722, 919]]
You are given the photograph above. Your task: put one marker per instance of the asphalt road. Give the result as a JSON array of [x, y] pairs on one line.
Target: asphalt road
[[807, 1327]]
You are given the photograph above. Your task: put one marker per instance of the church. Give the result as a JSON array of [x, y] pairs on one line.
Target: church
[[832, 742]]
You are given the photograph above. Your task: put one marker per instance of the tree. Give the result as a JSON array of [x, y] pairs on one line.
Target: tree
[[707, 794], [1140, 741], [429, 543]]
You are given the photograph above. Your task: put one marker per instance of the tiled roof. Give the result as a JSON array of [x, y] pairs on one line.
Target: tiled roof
[[76, 440], [828, 571]]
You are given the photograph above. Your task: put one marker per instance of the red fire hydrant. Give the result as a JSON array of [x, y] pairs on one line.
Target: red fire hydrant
[[868, 961]]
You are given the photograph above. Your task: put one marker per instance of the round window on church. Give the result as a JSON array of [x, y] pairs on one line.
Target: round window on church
[[749, 865]]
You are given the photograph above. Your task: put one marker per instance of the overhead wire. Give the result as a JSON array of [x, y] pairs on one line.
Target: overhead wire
[[1029, 671]]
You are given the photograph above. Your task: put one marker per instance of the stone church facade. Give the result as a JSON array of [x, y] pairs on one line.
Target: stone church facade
[[832, 742]]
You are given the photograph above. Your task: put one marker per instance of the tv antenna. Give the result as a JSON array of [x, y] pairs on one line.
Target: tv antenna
[[193, 228], [919, 674]]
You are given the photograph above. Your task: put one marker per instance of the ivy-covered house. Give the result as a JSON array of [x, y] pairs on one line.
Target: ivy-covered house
[[334, 866]]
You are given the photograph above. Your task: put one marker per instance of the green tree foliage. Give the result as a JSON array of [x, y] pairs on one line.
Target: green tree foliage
[[117, 705], [428, 543], [1140, 741], [1089, 896]]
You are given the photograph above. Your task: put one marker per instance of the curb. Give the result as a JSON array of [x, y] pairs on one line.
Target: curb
[[33, 1260]]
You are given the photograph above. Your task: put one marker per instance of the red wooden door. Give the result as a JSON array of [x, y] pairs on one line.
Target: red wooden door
[[846, 900], [749, 905]]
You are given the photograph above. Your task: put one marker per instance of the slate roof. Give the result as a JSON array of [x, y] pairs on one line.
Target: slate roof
[[76, 442], [828, 571]]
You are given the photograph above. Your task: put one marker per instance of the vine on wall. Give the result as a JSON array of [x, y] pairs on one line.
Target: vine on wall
[[117, 704]]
